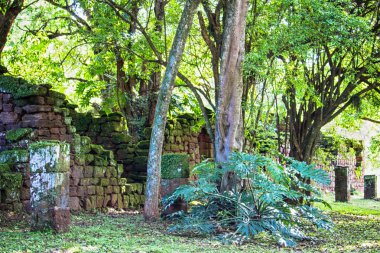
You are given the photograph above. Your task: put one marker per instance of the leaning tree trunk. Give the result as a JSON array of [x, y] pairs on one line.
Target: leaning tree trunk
[[228, 124], [7, 18], [151, 207]]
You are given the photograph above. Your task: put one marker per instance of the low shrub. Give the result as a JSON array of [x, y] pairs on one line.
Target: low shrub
[[269, 197]]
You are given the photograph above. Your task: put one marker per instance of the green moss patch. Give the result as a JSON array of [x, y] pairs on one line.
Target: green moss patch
[[10, 181], [14, 156], [42, 144], [5, 167], [175, 166], [18, 134], [20, 88]]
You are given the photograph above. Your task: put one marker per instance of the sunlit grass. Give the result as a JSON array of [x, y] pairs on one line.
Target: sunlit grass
[[357, 205], [357, 226]]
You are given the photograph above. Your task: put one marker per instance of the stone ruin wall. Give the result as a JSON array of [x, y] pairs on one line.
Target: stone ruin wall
[[180, 137], [96, 179], [356, 182], [107, 167]]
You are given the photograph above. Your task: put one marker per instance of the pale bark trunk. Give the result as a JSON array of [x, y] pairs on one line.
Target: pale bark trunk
[[229, 126], [151, 207]]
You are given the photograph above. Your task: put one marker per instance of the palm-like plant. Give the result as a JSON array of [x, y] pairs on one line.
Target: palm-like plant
[[268, 197]]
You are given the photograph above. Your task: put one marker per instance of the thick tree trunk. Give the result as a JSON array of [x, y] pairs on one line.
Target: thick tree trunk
[[151, 207], [228, 124], [7, 19]]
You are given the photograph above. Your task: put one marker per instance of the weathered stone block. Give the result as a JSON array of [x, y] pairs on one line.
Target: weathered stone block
[[99, 171], [342, 184], [168, 186], [113, 200], [107, 200], [74, 204], [61, 219], [49, 166], [49, 157], [118, 138], [95, 181], [84, 181], [104, 182], [108, 189], [88, 171], [91, 190], [116, 189], [99, 201], [371, 187], [99, 190], [82, 191]]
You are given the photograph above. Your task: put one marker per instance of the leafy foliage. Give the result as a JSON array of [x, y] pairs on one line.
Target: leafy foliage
[[270, 198]]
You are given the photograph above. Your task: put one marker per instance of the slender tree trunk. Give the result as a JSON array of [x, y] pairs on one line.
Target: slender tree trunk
[[228, 124], [155, 79], [7, 19], [151, 207]]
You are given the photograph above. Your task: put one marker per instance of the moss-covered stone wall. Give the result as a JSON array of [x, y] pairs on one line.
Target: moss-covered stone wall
[[30, 113], [107, 166]]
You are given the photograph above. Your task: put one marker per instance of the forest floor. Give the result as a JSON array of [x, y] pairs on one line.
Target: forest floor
[[357, 229]]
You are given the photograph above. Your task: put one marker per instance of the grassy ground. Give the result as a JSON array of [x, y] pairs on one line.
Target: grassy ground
[[357, 229]]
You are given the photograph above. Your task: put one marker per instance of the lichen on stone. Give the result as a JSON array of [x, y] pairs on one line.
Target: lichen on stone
[[49, 156]]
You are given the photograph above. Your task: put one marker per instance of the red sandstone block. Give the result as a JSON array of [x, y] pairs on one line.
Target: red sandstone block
[[99, 201], [55, 137], [62, 130], [113, 200], [26, 183], [7, 107], [25, 193], [91, 190], [35, 116], [6, 98], [81, 191], [77, 172], [74, 203], [66, 137], [43, 132], [108, 189], [74, 181], [54, 130], [37, 108], [38, 100], [61, 219], [8, 118], [73, 191], [107, 200]]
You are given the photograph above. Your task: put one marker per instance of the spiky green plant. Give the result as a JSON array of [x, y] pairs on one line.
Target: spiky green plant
[[269, 197]]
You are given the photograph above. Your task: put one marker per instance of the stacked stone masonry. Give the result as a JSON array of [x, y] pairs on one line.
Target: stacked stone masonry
[[41, 114], [107, 166]]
